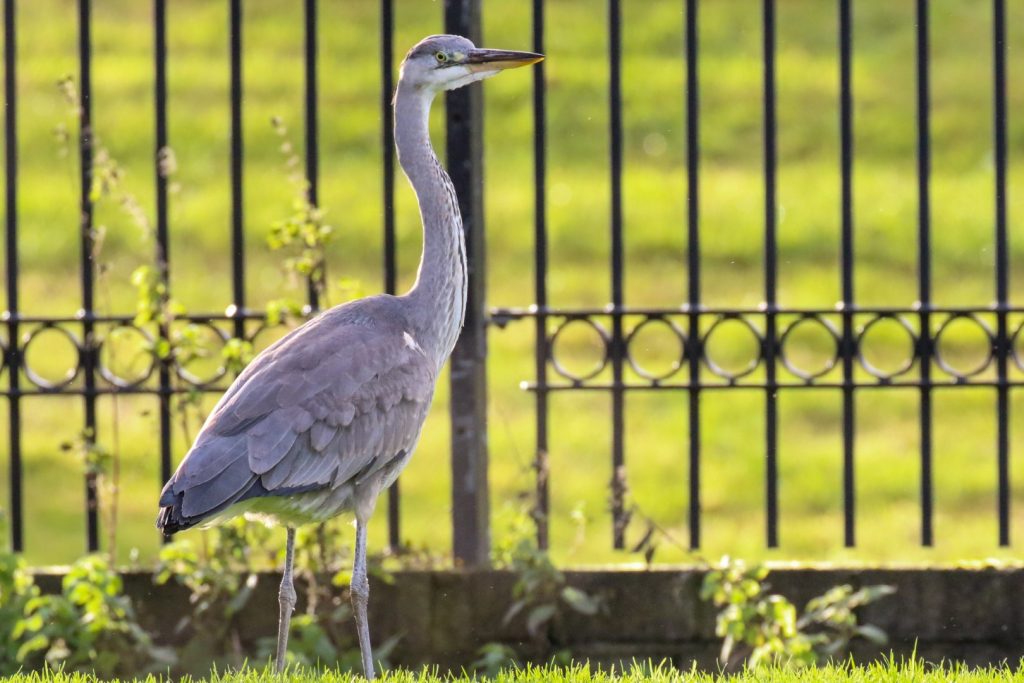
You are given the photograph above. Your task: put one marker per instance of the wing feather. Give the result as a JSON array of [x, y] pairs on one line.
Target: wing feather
[[294, 471], [321, 434], [222, 489], [212, 457], [271, 438]]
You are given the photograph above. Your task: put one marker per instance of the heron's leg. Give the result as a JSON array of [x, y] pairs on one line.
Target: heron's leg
[[360, 597], [286, 599]]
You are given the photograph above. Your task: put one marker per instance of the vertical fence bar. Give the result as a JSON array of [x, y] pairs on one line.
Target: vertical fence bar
[[846, 266], [615, 151], [540, 278], [387, 30], [770, 281], [13, 360], [1002, 269], [312, 137], [162, 242], [237, 216], [693, 347], [470, 506], [924, 268], [87, 313]]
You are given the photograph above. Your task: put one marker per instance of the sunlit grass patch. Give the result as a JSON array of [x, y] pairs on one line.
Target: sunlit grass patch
[[890, 671]]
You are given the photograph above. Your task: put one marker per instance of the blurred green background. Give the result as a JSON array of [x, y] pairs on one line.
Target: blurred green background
[[653, 83]]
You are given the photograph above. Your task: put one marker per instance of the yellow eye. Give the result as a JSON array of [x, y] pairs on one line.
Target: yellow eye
[[441, 57]]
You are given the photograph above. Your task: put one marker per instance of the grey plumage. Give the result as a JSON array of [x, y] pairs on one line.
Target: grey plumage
[[326, 418], [326, 407]]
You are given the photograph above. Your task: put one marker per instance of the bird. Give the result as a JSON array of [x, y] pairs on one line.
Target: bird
[[326, 418]]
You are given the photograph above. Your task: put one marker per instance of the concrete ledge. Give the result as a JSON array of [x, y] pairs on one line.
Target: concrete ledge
[[970, 615]]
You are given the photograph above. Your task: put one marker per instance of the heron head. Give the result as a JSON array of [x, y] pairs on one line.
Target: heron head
[[447, 62]]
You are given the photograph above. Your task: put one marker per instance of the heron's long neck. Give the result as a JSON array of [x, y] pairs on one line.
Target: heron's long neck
[[438, 297]]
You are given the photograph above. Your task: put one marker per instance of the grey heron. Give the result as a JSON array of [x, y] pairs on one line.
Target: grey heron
[[325, 419]]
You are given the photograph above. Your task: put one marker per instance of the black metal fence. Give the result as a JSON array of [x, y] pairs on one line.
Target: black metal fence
[[771, 325], [692, 324]]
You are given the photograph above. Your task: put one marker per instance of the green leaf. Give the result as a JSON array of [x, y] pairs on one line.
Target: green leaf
[[539, 616], [513, 610], [37, 602], [870, 594], [873, 634], [582, 602], [142, 275], [239, 600], [33, 644], [30, 624], [162, 348], [342, 578]]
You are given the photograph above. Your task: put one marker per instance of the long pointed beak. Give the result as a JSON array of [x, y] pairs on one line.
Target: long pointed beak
[[481, 59]]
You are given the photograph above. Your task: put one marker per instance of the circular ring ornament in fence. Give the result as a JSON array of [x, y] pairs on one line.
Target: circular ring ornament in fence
[[587, 342], [732, 325], [198, 347], [808, 332], [126, 356], [959, 324], [897, 325], [60, 348], [653, 335]]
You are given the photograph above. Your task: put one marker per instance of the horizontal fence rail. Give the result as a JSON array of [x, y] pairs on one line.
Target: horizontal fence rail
[[923, 351]]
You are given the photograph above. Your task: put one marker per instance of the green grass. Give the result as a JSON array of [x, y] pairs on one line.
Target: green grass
[[654, 180], [889, 672]]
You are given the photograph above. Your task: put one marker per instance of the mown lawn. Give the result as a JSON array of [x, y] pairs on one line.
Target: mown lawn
[[654, 200], [888, 672]]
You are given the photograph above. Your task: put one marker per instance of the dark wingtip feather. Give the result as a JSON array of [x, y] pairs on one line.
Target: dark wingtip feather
[[170, 520]]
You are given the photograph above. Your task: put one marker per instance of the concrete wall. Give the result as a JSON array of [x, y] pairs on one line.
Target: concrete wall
[[444, 616]]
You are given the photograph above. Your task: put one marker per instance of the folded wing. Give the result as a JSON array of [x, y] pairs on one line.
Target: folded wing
[[330, 403]]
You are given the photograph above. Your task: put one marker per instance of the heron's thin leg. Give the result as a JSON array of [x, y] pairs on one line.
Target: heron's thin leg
[[286, 599], [360, 597]]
